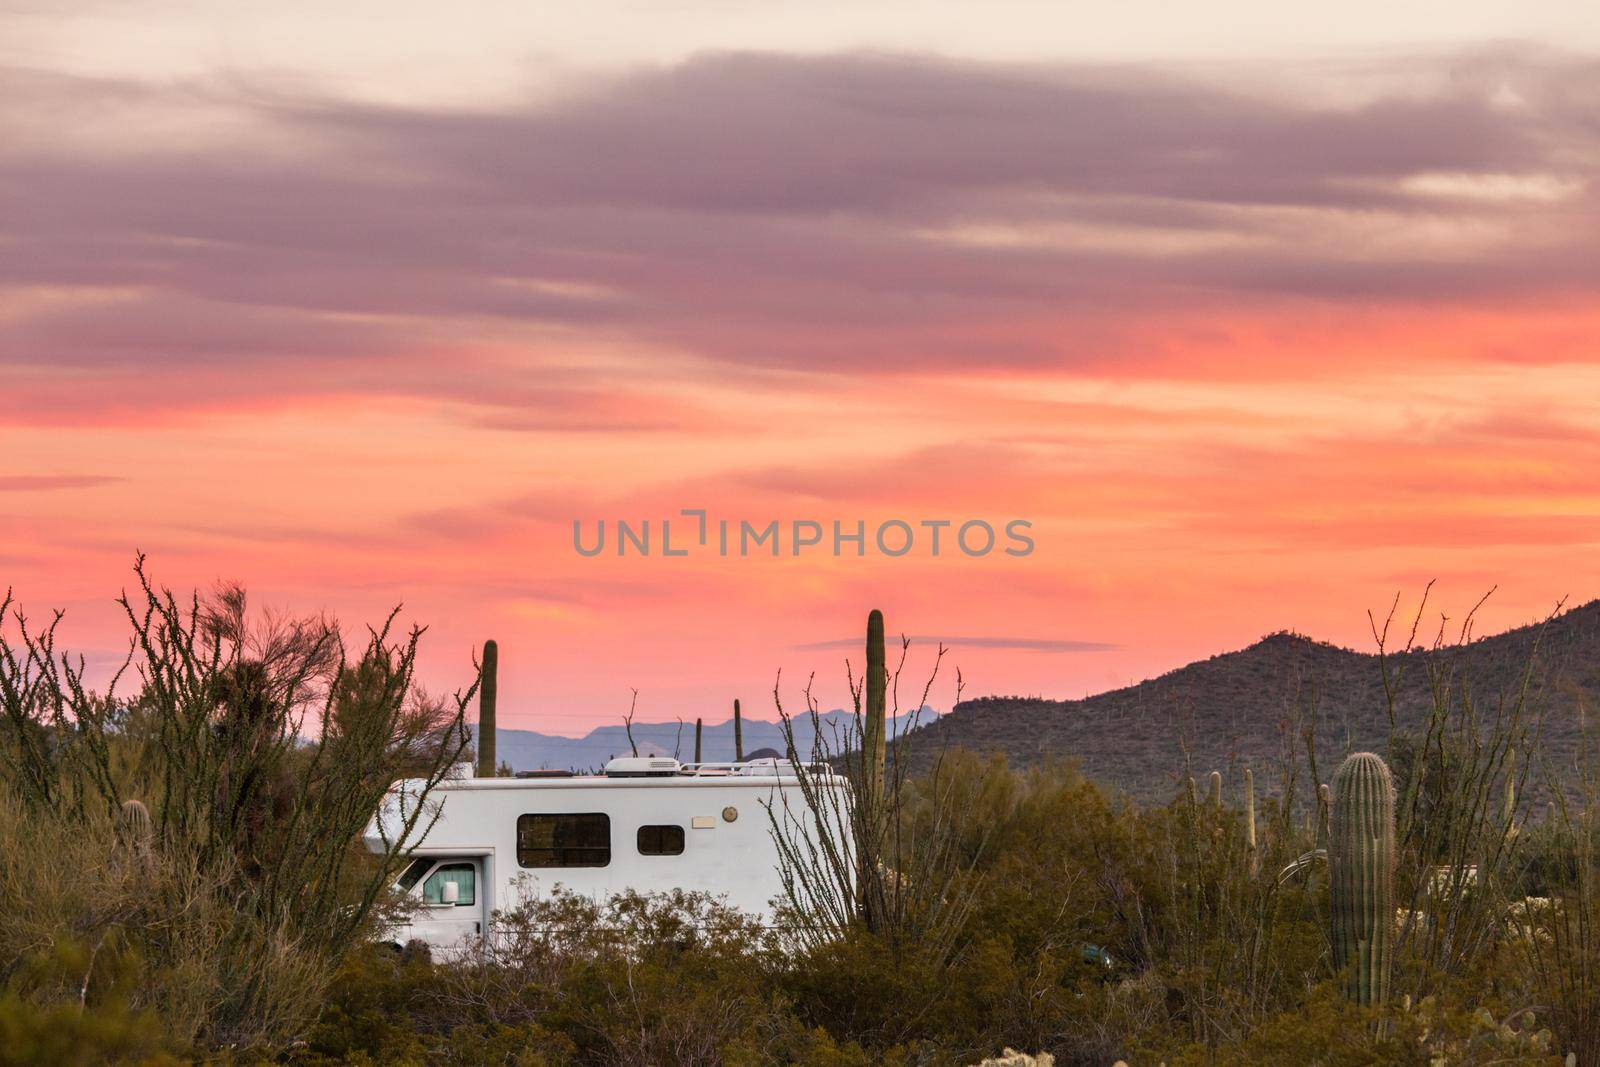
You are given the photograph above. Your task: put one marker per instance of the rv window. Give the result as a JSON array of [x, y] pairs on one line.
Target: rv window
[[660, 840], [462, 874], [413, 873], [577, 840]]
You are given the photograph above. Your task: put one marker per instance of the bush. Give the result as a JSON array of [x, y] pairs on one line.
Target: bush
[[236, 882]]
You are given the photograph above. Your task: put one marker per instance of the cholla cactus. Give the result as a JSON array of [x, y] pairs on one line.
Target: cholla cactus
[[1361, 871]]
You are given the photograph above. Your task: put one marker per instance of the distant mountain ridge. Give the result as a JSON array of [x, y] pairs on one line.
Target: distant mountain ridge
[[528, 750], [1237, 708]]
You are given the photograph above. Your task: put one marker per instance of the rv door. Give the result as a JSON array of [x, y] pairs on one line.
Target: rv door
[[449, 912]]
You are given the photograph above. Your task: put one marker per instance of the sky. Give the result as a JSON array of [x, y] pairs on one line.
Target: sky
[[1255, 321]]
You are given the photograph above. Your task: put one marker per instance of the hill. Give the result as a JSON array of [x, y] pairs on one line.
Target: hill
[[528, 750], [1242, 708]]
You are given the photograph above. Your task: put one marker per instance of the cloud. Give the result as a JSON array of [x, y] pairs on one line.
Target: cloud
[[26, 483], [864, 214]]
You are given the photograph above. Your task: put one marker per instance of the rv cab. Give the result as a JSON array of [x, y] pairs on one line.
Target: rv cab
[[447, 906]]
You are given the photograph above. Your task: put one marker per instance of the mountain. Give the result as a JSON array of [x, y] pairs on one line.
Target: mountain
[[528, 750], [1241, 708]]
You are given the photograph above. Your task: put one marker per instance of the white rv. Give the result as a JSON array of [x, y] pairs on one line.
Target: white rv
[[645, 824]]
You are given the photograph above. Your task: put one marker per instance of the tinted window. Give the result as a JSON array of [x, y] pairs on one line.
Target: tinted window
[[462, 875], [660, 840], [577, 840]]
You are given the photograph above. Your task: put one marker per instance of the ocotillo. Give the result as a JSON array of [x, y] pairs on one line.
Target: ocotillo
[[488, 688], [1511, 787]]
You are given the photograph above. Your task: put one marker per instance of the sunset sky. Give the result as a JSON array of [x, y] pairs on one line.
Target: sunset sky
[[1258, 321]]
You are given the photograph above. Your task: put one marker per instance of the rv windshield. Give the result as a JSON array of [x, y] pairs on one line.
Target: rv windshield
[[412, 873]]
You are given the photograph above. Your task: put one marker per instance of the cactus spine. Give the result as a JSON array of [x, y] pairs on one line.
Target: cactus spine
[[1361, 871], [738, 732], [1216, 790], [874, 745], [697, 740], [488, 689]]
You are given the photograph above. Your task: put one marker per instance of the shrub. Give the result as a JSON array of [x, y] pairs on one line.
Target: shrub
[[258, 755]]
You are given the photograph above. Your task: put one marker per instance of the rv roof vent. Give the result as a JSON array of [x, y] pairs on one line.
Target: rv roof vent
[[642, 767], [545, 772]]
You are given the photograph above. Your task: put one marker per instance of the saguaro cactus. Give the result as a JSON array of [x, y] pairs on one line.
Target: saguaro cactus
[[1250, 821], [1361, 870], [874, 744], [488, 690], [697, 740], [1194, 794], [738, 733], [1216, 790]]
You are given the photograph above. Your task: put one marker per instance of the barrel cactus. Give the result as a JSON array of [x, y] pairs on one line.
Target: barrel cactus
[[1361, 872], [136, 826]]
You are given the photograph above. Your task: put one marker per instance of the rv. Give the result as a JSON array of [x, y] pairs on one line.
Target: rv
[[645, 824]]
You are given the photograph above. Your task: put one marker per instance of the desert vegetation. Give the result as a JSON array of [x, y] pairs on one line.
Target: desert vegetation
[[182, 871], [182, 882]]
